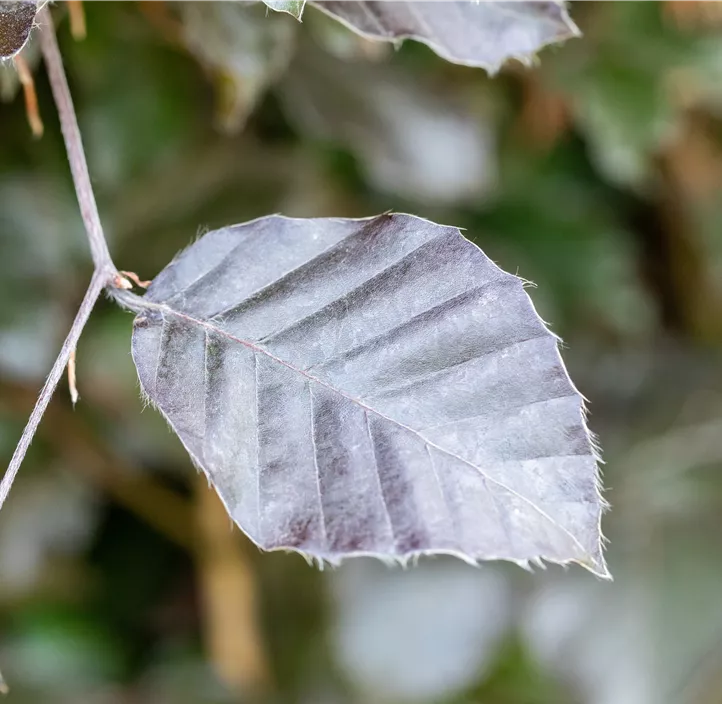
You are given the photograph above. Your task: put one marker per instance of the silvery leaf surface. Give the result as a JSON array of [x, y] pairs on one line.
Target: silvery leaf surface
[[16, 21], [472, 33], [371, 387]]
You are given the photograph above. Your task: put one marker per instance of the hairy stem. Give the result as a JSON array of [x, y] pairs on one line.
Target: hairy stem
[[74, 147], [105, 274], [97, 284]]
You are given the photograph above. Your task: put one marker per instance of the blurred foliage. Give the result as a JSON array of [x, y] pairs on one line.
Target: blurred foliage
[[597, 175]]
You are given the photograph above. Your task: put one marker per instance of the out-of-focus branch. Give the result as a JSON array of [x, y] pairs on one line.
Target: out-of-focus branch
[[77, 19], [232, 633], [545, 114], [31, 99], [697, 299]]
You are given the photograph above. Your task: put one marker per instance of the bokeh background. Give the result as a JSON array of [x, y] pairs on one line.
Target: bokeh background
[[597, 174]]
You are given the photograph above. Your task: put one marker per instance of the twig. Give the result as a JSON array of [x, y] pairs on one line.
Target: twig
[[97, 284], [105, 274], [74, 146]]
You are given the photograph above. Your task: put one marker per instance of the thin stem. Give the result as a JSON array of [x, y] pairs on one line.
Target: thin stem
[[105, 274], [74, 146], [97, 284]]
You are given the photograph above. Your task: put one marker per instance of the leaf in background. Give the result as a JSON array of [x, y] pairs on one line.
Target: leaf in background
[[628, 89], [483, 34], [411, 141], [595, 638], [458, 616], [243, 49], [292, 7], [373, 387], [16, 21]]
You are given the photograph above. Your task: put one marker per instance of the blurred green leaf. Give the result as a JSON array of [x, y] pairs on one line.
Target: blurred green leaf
[[292, 7], [244, 50], [54, 649], [411, 140]]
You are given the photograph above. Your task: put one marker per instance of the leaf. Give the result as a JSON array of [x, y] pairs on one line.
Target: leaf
[[292, 7], [371, 387], [16, 21], [482, 34], [330, 100], [243, 50], [459, 618]]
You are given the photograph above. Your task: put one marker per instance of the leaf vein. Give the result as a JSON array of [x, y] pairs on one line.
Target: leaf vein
[[367, 408]]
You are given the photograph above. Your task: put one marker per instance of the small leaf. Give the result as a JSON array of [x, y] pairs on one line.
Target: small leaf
[[371, 387], [16, 21], [292, 7], [483, 34]]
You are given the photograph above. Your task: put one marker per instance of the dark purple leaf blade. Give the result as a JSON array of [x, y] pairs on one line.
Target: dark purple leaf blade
[[484, 34], [371, 387], [16, 21]]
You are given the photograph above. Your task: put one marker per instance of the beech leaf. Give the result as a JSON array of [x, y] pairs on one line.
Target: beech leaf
[[16, 21], [482, 34], [371, 387], [292, 7]]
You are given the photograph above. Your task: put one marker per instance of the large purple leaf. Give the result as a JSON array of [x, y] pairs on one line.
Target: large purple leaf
[[469, 32], [371, 387], [16, 21]]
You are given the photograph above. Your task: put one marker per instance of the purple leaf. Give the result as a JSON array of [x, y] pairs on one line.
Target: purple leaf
[[469, 32], [371, 387], [16, 21]]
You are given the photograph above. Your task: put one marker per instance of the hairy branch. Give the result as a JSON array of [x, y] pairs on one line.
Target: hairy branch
[[105, 274], [97, 284], [74, 147]]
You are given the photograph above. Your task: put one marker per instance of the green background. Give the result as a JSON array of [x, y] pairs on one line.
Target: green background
[[596, 173]]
